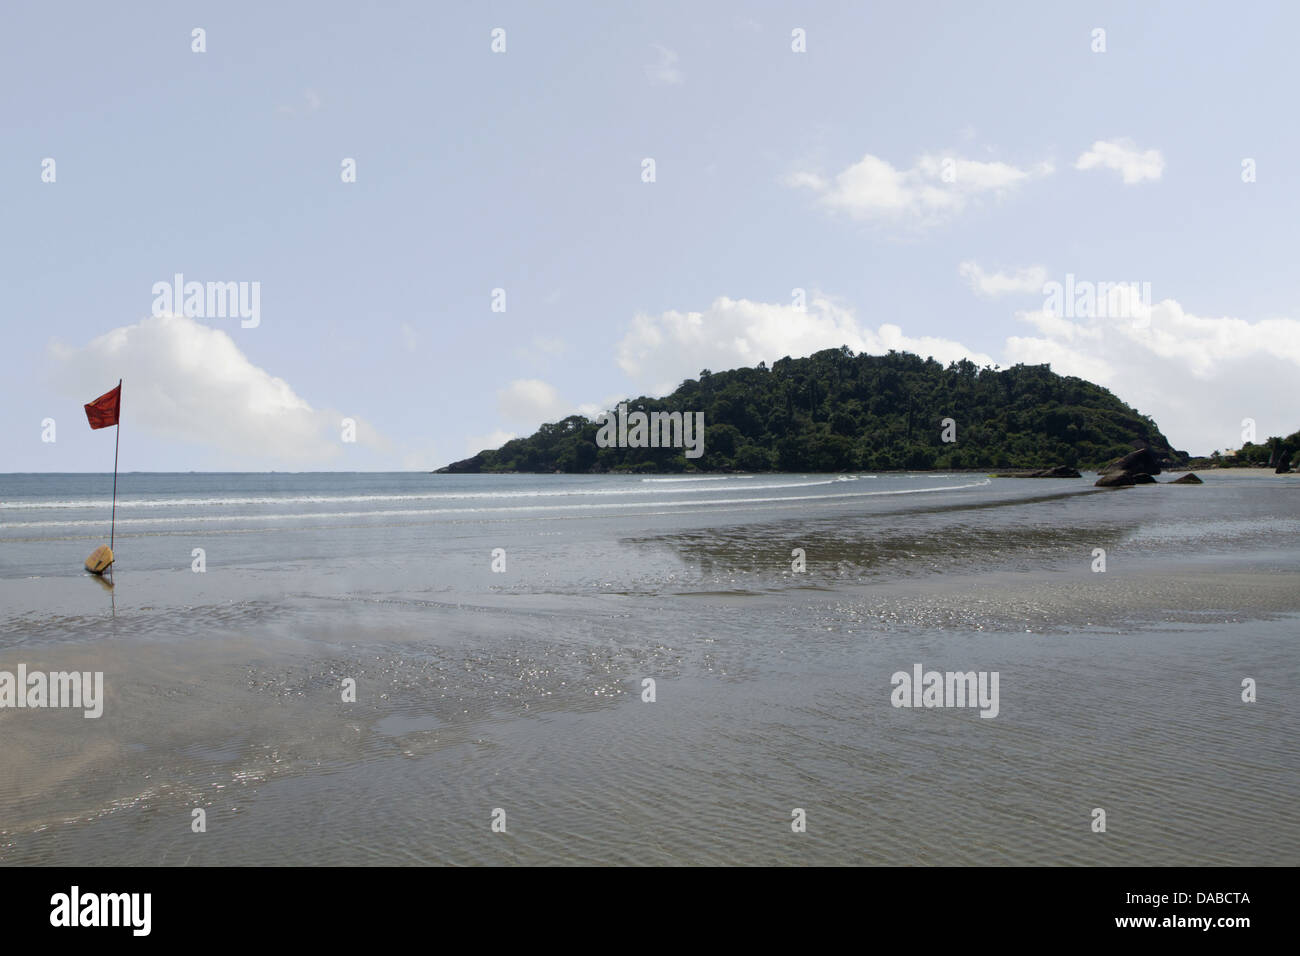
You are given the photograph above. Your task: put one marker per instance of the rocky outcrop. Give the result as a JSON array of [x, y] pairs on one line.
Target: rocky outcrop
[[1187, 479], [1140, 461], [1135, 468]]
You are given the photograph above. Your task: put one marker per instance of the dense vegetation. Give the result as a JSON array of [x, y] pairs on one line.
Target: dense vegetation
[[1270, 453], [837, 411]]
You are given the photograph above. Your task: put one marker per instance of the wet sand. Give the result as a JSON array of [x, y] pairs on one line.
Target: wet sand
[[1119, 690]]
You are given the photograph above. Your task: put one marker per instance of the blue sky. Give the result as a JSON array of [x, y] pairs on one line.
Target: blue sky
[[522, 170]]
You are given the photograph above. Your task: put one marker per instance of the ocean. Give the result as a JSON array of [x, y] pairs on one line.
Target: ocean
[[505, 636]]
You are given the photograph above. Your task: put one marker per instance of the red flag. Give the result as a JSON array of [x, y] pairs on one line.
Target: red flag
[[103, 411]]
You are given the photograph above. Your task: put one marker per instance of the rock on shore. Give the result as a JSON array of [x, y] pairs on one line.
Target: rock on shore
[[1140, 461], [1135, 468]]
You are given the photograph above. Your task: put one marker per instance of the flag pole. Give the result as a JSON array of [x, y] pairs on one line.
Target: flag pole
[[112, 530]]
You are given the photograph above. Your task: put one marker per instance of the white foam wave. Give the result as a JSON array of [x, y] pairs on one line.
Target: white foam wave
[[88, 503], [487, 512]]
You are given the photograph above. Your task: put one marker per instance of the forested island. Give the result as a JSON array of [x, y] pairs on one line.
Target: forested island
[[840, 411]]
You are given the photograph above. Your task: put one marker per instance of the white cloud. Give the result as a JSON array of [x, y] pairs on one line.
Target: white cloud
[[532, 401], [1198, 377], [1124, 157], [664, 71], [1064, 359], [592, 409], [659, 352], [189, 382], [410, 337], [1057, 327], [494, 439], [1028, 280], [937, 187], [807, 180]]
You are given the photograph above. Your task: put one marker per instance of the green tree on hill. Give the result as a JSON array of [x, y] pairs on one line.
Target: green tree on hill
[[839, 411]]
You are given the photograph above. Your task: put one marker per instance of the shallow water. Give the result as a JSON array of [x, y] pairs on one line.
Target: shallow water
[[522, 690]]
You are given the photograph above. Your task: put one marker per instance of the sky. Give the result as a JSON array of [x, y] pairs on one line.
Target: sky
[[449, 244]]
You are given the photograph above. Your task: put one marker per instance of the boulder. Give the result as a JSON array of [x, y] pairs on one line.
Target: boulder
[[1187, 479], [1114, 481], [1141, 478], [1140, 461]]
